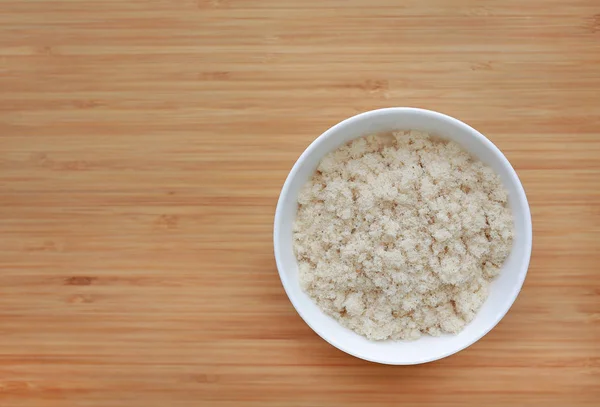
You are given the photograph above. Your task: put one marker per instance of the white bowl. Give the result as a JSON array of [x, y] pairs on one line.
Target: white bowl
[[503, 290]]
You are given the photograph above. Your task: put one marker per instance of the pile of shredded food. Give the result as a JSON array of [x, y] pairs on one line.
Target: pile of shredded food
[[399, 235]]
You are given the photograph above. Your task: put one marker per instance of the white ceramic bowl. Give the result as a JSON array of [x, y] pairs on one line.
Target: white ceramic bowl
[[505, 287]]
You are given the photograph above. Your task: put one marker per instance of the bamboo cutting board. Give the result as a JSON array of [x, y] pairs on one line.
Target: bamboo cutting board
[[143, 145]]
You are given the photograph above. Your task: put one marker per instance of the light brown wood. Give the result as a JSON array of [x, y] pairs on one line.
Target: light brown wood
[[143, 145]]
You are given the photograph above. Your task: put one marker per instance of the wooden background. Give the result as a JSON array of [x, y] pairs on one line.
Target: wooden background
[[143, 145]]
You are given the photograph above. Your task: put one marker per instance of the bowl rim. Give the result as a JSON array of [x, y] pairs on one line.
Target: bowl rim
[[314, 145]]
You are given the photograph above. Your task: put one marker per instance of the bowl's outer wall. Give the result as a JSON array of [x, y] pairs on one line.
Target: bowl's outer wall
[[504, 289]]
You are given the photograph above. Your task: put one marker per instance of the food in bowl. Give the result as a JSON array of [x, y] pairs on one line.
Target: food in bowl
[[399, 234]]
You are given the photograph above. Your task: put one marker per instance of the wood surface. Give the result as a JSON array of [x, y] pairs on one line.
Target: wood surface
[[143, 145]]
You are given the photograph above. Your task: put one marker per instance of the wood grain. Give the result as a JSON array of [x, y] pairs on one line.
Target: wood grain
[[143, 145]]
